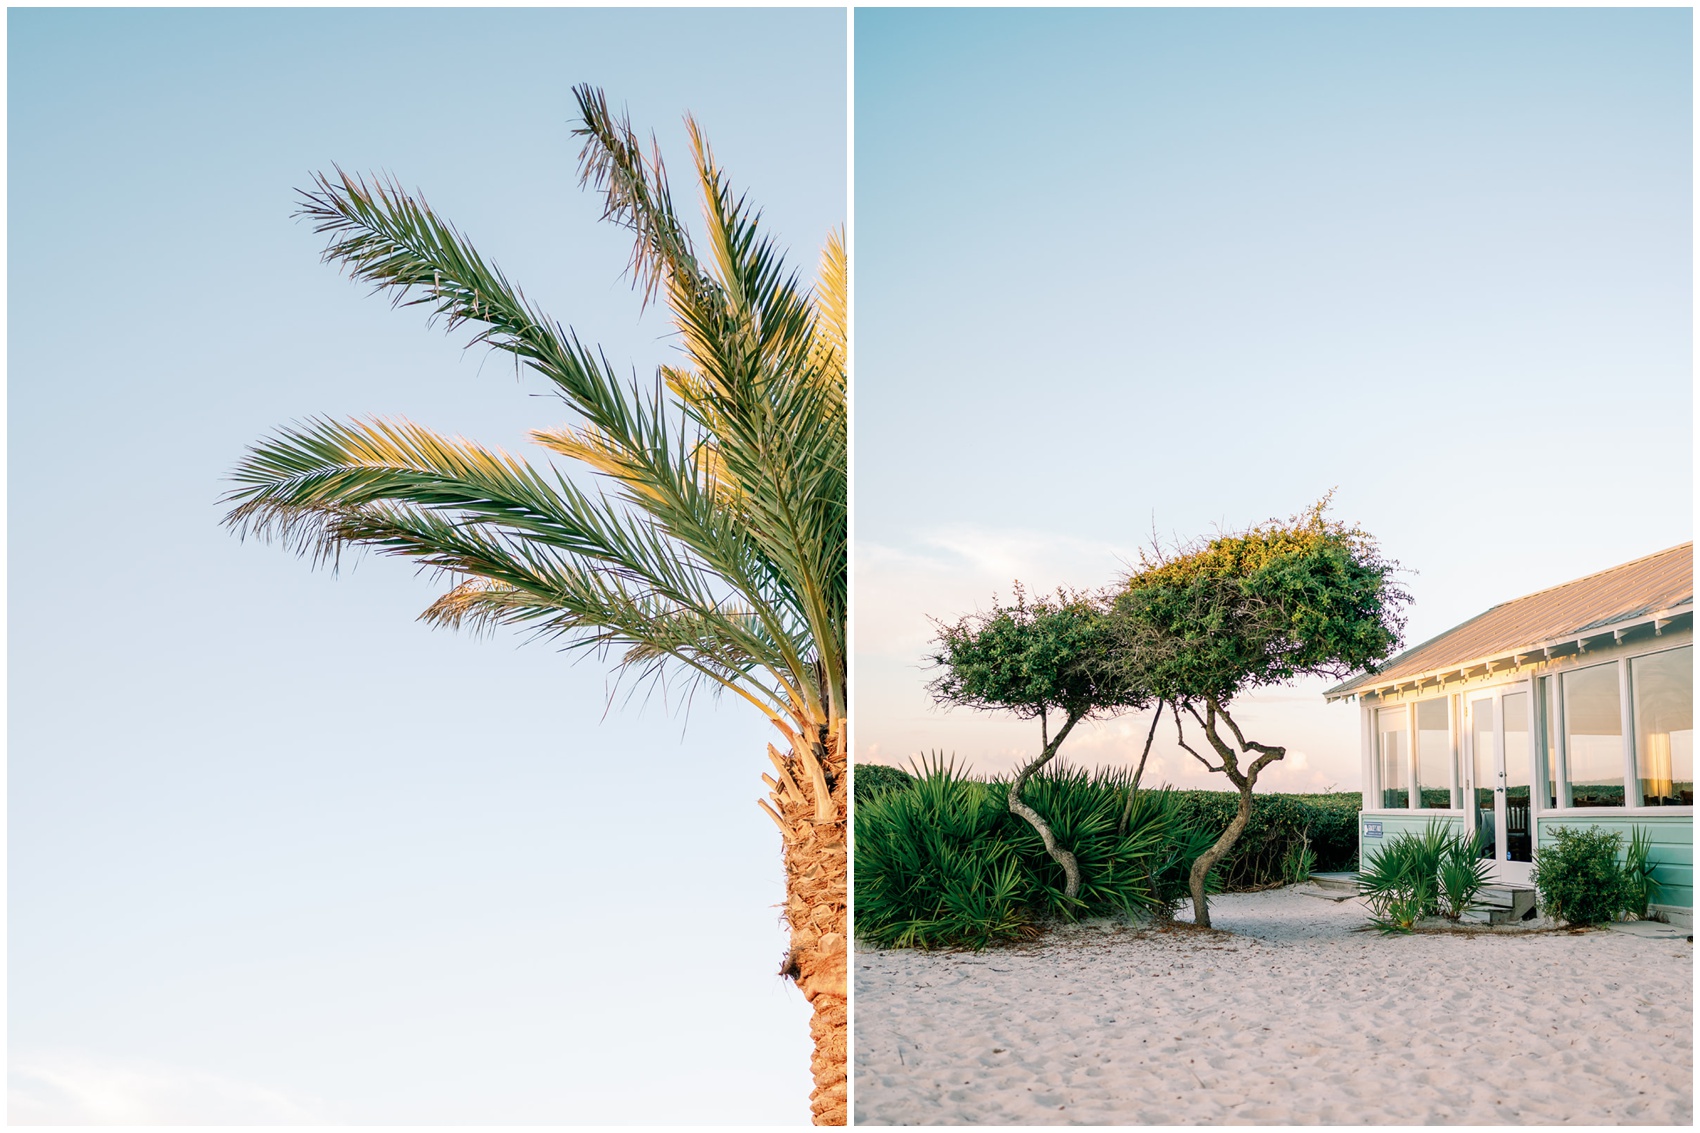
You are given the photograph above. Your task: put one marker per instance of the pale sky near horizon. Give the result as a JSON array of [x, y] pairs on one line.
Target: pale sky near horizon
[[278, 852], [1124, 272]]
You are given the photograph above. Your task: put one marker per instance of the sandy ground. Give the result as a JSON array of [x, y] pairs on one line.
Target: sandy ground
[[1287, 1017]]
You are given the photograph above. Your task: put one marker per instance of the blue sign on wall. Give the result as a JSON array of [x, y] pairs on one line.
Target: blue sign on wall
[[1372, 829]]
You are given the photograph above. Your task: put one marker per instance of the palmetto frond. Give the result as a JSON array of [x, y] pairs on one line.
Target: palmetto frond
[[720, 542]]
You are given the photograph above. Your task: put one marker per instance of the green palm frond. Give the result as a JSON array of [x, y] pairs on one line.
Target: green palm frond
[[635, 194], [720, 543], [459, 508]]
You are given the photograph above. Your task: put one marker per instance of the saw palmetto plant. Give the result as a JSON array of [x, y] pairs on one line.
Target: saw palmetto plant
[[713, 542]]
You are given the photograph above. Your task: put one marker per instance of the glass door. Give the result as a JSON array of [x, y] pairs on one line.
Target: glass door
[[1498, 723], [1517, 750], [1486, 791]]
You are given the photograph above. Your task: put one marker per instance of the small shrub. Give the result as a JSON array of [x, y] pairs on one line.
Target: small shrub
[[1299, 861], [1579, 879], [932, 869], [1400, 882], [1464, 873], [1638, 882], [870, 779], [1435, 873]]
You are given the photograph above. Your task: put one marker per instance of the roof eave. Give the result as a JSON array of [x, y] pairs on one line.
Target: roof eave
[[1357, 686]]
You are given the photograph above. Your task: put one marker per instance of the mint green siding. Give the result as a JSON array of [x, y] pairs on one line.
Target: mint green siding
[[1392, 825], [1672, 834], [1673, 847]]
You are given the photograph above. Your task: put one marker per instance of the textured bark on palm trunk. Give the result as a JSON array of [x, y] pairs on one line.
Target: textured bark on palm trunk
[[810, 797]]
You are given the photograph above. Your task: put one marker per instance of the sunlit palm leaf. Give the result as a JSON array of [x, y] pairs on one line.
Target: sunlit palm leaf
[[722, 546]]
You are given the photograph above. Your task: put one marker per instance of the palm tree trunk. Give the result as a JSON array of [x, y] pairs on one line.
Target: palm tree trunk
[[811, 794]]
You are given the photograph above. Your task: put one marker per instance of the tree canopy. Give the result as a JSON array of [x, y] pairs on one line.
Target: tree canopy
[[1034, 657], [1306, 596]]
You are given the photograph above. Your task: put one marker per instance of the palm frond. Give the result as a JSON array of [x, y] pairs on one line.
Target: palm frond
[[634, 192], [720, 543]]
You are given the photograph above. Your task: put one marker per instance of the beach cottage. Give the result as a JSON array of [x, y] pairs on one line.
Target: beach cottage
[[1573, 706]]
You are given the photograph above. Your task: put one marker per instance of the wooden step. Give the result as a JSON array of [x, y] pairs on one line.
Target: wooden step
[[1346, 883]]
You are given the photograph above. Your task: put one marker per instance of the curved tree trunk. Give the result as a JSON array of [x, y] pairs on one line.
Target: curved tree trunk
[[1206, 861], [1063, 857], [1245, 780], [811, 794]]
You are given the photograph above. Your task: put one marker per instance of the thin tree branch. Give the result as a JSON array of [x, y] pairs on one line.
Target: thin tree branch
[[1127, 807], [1180, 738]]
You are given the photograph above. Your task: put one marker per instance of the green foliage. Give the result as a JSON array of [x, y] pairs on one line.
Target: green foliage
[[1184, 844], [1143, 869], [1464, 873], [1581, 881], [870, 779], [945, 864], [932, 867], [1398, 910], [1278, 823], [1032, 657], [1299, 597], [1638, 883], [1299, 860], [1436, 872], [1400, 882], [716, 548]]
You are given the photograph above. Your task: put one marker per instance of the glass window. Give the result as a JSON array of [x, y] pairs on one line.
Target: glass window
[[1393, 748], [1434, 754], [1519, 760], [1481, 751], [1664, 726], [1593, 736], [1519, 754], [1549, 700]]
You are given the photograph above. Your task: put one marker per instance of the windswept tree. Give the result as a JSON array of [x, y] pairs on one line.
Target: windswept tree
[[715, 546], [1305, 596], [1045, 659]]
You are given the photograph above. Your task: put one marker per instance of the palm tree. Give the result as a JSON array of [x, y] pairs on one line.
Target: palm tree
[[715, 544]]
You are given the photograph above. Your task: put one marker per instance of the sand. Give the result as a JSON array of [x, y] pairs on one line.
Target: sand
[[1287, 1017]]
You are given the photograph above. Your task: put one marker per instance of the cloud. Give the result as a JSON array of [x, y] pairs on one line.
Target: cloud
[[954, 570], [78, 1089]]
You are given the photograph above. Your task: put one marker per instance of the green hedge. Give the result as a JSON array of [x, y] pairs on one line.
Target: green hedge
[[1278, 823], [870, 779]]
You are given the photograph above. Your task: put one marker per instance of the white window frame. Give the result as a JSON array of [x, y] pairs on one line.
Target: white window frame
[[1626, 707], [1454, 753], [1632, 770], [1372, 750]]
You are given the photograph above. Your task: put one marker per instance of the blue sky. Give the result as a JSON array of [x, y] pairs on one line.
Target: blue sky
[[1155, 271], [277, 851]]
